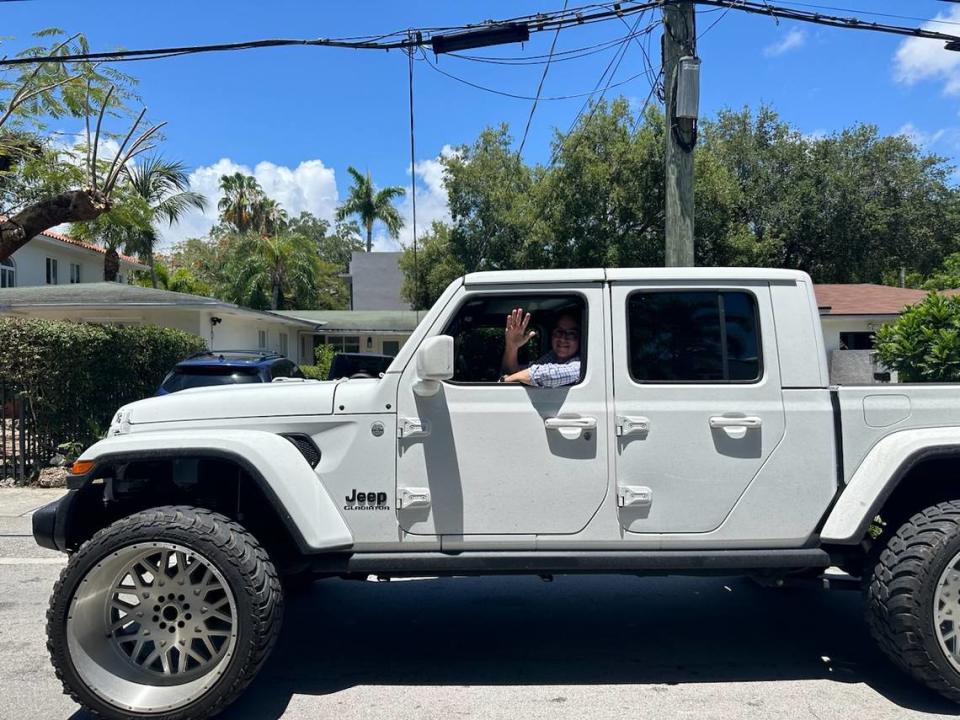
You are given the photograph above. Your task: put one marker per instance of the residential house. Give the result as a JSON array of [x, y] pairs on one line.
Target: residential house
[[52, 258], [221, 324]]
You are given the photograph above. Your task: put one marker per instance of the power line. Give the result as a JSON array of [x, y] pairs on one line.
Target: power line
[[541, 22], [543, 77]]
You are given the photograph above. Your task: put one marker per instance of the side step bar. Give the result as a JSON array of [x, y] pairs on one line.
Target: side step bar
[[535, 563]]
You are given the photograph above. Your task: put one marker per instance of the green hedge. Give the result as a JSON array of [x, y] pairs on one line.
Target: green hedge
[[76, 375]]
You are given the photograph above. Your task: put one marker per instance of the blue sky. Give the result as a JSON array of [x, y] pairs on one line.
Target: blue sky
[[297, 117]]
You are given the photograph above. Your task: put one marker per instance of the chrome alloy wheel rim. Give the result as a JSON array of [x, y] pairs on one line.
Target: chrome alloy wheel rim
[[152, 627], [946, 608]]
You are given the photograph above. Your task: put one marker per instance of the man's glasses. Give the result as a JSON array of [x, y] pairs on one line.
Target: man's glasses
[[560, 333]]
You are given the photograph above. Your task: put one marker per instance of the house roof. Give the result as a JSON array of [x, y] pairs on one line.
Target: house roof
[[54, 235], [867, 299], [103, 295], [360, 320]]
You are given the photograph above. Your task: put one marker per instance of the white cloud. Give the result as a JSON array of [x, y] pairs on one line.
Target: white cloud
[[793, 40], [431, 204], [920, 59], [310, 186]]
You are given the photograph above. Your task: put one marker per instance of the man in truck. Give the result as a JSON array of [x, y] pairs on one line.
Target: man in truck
[[559, 367]]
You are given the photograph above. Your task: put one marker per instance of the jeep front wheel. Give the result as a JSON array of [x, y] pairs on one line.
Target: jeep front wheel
[[168, 613], [913, 599]]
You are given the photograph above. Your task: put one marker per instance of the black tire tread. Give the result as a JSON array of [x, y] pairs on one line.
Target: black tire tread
[[902, 571], [263, 590]]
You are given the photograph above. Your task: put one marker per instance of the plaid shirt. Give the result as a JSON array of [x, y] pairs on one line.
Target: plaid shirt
[[551, 372]]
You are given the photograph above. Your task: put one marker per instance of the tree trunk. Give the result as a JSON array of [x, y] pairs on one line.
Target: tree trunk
[[275, 300], [71, 206], [153, 271], [111, 266], [369, 237]]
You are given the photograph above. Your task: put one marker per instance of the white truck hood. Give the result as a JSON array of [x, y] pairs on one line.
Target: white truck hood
[[232, 401]]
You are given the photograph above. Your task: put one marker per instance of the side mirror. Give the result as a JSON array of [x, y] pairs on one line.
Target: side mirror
[[434, 363]]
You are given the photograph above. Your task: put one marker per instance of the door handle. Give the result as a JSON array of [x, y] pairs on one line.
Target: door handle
[[581, 423], [722, 421], [570, 427]]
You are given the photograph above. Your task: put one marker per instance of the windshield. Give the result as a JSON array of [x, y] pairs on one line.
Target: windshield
[[185, 378]]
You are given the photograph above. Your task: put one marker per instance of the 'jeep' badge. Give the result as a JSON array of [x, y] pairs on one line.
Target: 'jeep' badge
[[377, 429]]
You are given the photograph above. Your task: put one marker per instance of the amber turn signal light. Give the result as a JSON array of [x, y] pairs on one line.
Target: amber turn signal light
[[82, 467]]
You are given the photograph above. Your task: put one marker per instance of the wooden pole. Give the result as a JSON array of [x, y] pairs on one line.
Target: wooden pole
[[679, 40]]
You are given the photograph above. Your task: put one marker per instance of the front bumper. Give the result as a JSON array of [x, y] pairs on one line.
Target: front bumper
[[50, 522]]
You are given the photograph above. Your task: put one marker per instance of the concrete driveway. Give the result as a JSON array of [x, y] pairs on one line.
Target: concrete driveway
[[579, 647]]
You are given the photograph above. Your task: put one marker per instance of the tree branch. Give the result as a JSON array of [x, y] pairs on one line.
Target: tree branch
[[96, 139], [70, 206]]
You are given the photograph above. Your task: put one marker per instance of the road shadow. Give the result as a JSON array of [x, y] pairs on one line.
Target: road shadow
[[576, 630]]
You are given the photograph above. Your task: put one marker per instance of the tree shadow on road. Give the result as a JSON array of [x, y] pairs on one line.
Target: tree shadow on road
[[574, 631]]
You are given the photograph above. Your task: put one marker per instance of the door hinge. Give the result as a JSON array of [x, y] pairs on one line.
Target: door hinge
[[632, 425], [412, 427], [634, 496], [412, 498]]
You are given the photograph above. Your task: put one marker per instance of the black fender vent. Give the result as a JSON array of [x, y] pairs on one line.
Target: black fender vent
[[306, 446]]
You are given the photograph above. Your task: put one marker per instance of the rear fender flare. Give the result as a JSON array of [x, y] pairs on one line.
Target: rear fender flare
[[879, 474]]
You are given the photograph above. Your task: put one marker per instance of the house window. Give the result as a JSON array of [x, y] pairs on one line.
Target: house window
[[856, 341], [391, 347], [693, 336], [283, 344], [8, 274], [343, 343], [261, 339], [52, 278], [74, 273]]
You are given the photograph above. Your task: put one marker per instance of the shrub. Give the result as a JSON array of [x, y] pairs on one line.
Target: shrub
[[313, 372], [76, 375], [324, 357], [923, 344]]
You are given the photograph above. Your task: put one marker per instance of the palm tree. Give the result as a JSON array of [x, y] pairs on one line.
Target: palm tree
[[163, 184], [269, 217], [241, 196], [371, 205], [282, 267]]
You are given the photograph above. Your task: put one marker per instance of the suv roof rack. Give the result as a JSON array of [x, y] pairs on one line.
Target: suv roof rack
[[214, 353]]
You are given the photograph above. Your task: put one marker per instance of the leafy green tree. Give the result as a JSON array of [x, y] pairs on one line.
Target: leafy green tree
[[923, 344], [435, 267], [274, 272], [119, 230], [179, 279], [164, 185], [371, 205], [43, 184]]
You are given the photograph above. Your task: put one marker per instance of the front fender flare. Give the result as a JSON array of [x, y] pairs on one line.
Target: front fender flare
[[881, 471], [282, 473]]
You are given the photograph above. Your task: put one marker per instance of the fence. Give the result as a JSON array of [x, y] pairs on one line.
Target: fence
[[22, 449]]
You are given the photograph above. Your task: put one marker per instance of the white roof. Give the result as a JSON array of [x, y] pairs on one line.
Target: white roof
[[635, 274]]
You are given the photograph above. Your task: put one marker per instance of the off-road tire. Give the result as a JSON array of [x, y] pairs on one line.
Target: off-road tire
[[236, 554], [900, 595]]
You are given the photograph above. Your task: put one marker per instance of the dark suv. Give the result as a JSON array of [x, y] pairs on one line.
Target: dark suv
[[227, 367]]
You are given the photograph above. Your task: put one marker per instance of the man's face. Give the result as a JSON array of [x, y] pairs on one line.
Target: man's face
[[565, 338]]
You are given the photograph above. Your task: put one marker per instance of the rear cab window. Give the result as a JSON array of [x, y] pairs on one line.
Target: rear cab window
[[191, 377]]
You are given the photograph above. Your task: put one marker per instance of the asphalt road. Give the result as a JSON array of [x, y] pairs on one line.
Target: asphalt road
[[579, 647]]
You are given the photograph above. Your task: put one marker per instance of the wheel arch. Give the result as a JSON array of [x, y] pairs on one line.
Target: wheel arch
[[903, 473], [258, 478]]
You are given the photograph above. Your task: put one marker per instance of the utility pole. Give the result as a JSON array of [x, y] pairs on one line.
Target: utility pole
[[681, 79]]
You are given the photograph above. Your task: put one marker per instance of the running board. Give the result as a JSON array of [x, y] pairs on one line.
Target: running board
[[548, 562]]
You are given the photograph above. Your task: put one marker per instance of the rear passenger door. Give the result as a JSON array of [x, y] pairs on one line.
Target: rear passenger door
[[698, 404]]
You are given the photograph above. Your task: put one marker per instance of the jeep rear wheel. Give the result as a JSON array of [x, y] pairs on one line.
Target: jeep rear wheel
[[913, 599], [168, 613]]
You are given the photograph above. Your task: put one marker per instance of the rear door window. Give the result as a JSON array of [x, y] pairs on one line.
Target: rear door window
[[693, 337]]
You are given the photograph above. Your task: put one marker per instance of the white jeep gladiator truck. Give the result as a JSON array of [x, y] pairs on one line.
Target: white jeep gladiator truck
[[701, 436]]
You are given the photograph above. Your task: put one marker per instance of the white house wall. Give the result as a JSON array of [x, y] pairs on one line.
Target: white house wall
[[31, 263]]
